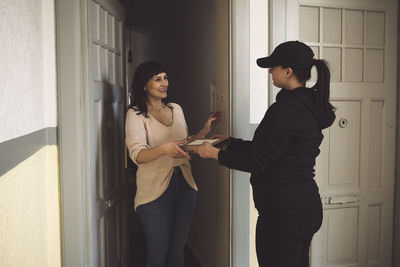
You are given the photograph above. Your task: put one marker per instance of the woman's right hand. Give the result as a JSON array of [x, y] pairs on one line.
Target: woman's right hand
[[173, 149]]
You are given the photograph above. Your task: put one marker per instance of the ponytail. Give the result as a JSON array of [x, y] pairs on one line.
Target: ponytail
[[322, 86]]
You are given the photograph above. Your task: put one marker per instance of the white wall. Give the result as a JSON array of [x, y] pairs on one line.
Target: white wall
[[258, 48], [29, 196], [27, 51], [49, 62]]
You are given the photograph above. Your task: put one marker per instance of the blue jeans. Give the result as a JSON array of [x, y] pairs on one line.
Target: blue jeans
[[166, 223]]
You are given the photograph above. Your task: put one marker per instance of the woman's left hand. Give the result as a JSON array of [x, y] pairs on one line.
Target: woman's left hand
[[212, 121], [207, 151]]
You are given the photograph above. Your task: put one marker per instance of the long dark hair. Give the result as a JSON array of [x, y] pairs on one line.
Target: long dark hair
[[322, 86], [137, 95]]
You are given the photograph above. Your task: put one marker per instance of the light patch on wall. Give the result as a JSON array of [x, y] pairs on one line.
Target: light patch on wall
[[49, 63], [258, 48], [29, 204]]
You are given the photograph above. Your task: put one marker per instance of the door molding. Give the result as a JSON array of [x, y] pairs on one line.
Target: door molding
[[240, 126], [72, 132], [277, 35], [396, 215], [240, 117]]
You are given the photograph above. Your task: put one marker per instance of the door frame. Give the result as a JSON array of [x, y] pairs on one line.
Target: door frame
[[396, 215], [240, 118], [240, 126], [72, 88]]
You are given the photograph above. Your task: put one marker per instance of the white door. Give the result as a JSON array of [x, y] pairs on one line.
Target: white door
[[107, 98], [355, 170]]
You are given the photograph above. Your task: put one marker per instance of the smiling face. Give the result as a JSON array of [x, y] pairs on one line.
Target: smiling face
[[280, 76], [157, 86]]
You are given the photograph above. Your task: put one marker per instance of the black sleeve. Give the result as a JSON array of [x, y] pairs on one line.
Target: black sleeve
[[270, 141], [238, 145]]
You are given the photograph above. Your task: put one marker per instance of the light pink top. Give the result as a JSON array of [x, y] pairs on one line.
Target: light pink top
[[153, 178]]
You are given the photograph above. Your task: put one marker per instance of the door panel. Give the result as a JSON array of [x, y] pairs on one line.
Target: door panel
[[340, 241], [344, 146], [355, 168], [107, 103], [374, 232], [376, 143]]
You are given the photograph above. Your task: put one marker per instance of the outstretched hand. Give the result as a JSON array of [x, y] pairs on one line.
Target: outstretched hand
[[212, 121], [207, 151]]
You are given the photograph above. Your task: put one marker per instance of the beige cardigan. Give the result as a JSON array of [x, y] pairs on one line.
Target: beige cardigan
[[153, 178]]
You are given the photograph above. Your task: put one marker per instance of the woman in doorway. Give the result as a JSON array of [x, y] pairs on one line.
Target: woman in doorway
[[166, 190], [281, 157]]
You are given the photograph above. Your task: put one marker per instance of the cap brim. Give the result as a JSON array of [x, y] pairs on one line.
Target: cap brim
[[265, 62]]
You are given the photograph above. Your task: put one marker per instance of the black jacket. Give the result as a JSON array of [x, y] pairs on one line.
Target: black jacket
[[281, 156]]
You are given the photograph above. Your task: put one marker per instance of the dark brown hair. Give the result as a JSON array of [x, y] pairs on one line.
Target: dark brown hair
[[322, 86], [137, 95]]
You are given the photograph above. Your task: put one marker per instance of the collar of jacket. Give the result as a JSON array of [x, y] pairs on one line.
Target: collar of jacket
[[299, 90]]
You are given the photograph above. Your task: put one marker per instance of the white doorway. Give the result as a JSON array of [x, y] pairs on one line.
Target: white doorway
[[93, 219]]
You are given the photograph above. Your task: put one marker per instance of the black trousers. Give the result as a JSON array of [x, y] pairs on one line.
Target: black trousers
[[283, 237]]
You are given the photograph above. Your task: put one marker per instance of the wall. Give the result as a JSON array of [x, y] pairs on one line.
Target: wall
[[28, 53], [29, 224], [29, 196]]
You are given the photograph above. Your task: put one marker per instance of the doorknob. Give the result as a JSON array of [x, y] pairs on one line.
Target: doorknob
[[108, 204]]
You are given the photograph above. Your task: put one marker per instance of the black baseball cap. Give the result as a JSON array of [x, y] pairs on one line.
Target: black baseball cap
[[293, 54]]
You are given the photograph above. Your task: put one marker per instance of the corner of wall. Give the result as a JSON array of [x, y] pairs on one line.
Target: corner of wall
[[53, 207]]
